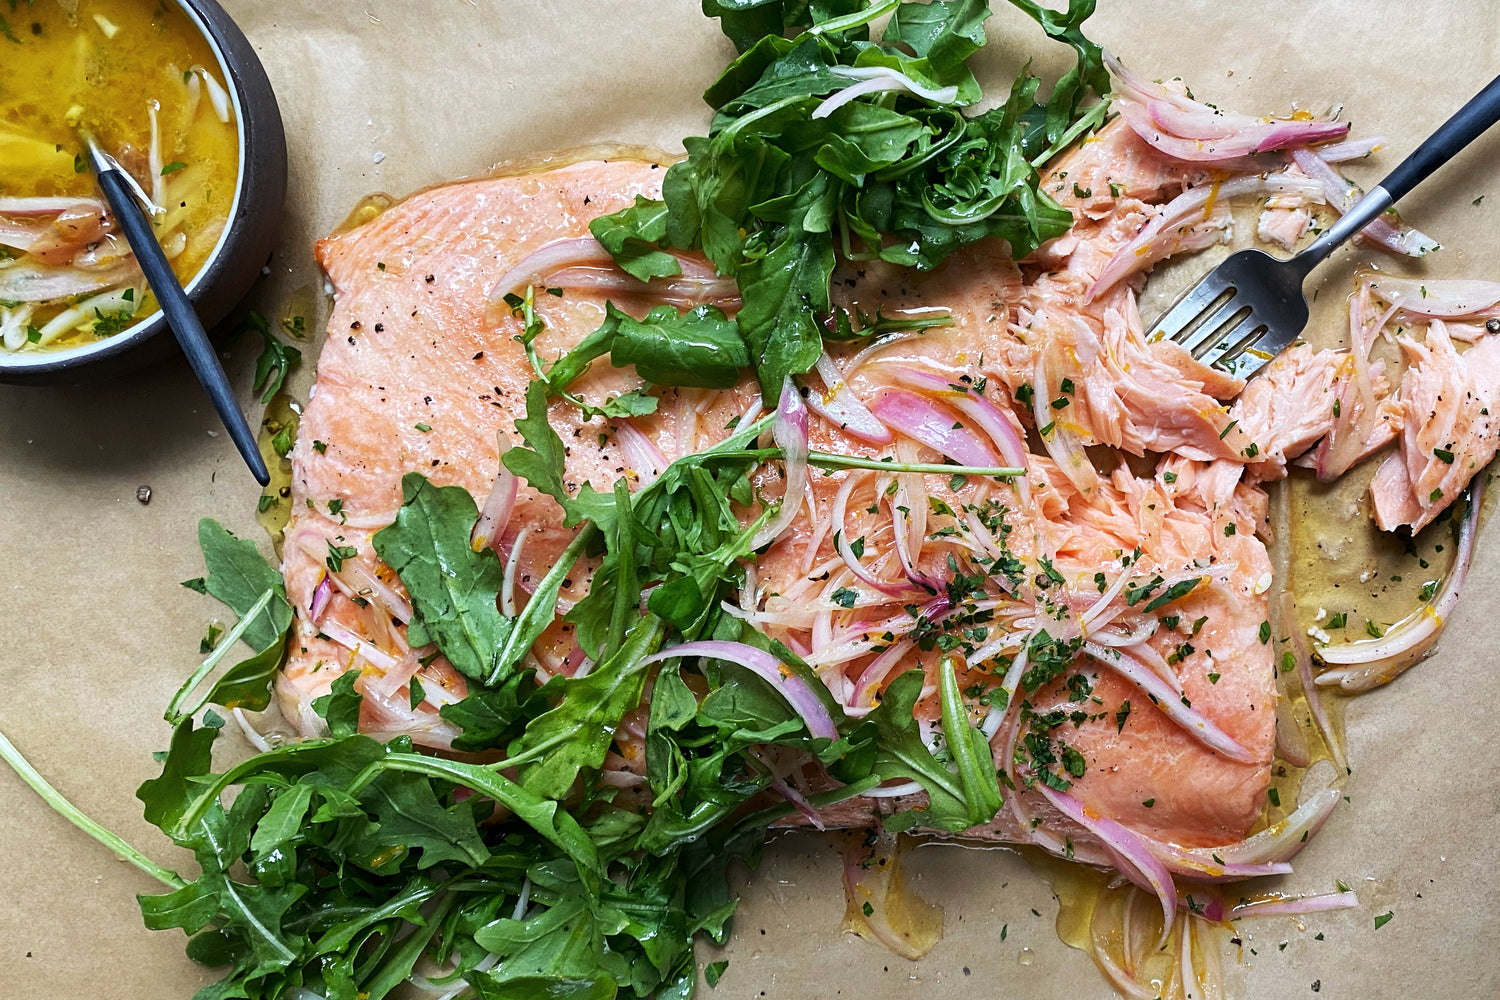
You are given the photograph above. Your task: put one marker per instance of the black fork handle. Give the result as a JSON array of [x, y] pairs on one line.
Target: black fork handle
[[1471, 121]]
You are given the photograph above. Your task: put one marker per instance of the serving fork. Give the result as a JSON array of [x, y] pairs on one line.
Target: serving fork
[[1251, 307]]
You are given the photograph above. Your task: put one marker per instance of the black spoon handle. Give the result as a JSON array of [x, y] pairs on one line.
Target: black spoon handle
[[182, 319]]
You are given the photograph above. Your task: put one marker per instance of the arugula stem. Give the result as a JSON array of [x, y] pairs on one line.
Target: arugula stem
[[548, 584], [1090, 119], [74, 815], [827, 460], [174, 713], [855, 20]]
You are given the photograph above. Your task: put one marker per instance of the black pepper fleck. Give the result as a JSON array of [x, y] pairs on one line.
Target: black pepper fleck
[[379, 327]]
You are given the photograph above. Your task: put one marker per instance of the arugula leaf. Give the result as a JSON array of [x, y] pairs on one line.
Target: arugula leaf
[[699, 347], [900, 753], [238, 575], [453, 588], [340, 706], [541, 462], [631, 236], [770, 192], [576, 734]]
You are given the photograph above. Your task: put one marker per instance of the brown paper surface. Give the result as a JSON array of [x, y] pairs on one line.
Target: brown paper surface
[[392, 95]]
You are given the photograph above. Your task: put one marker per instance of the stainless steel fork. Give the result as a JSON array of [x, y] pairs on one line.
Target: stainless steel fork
[[1251, 307]]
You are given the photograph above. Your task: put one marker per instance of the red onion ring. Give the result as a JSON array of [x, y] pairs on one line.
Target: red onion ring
[[1291, 906], [322, 594], [642, 456], [1395, 236], [498, 506]]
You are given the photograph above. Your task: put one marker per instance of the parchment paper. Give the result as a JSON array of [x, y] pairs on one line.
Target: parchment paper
[[392, 95]]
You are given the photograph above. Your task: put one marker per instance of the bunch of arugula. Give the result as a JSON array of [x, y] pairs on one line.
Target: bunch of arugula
[[779, 190], [342, 863]]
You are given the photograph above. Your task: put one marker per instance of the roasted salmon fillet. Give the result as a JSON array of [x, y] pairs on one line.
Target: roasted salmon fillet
[[1134, 570]]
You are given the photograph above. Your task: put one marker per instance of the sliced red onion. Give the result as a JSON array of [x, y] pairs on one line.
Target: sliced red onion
[[1278, 842], [789, 429], [218, 97], [642, 456], [1087, 620], [322, 594], [1161, 237], [843, 409], [790, 685], [925, 421], [1193, 722], [1369, 663], [1387, 231], [535, 266], [498, 506], [1294, 906], [683, 292], [841, 540], [879, 904], [878, 79], [574, 661], [989, 417], [377, 591], [1189, 130], [512, 566], [1350, 149], [1137, 862], [582, 263], [874, 675], [1441, 298], [1113, 637], [1194, 865]]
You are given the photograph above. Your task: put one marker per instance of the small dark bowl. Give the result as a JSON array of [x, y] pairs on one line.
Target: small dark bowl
[[246, 244]]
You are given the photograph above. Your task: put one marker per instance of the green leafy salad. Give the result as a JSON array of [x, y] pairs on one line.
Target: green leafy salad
[[344, 867]]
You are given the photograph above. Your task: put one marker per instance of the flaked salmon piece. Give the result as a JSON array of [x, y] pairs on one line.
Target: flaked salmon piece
[[1288, 408], [1140, 396], [1450, 402], [1283, 226]]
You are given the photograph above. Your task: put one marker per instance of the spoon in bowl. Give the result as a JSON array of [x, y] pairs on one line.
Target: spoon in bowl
[[128, 200]]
